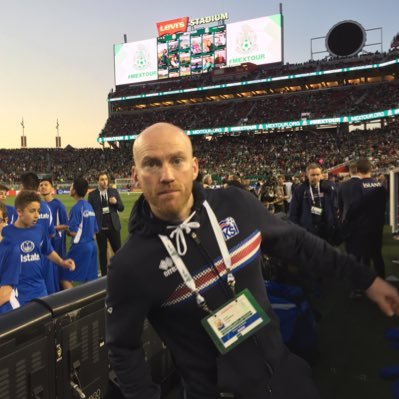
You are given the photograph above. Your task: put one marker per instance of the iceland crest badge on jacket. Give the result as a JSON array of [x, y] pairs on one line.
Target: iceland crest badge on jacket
[[229, 228]]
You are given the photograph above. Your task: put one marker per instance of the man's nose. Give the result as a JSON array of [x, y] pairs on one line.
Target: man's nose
[[167, 175]]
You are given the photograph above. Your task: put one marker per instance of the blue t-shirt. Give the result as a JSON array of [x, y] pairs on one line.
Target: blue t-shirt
[[58, 212], [11, 214], [82, 220], [60, 216], [10, 269], [46, 219], [33, 244]]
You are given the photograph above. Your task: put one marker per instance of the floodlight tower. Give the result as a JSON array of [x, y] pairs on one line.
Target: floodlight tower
[[58, 137], [23, 137]]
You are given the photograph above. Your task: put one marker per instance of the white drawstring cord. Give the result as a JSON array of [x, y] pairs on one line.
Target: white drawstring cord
[[185, 227]]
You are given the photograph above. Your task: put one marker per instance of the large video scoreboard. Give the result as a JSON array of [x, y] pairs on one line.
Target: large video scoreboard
[[191, 53], [258, 41]]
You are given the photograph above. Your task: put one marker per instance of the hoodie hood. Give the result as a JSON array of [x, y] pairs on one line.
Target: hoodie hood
[[143, 222]]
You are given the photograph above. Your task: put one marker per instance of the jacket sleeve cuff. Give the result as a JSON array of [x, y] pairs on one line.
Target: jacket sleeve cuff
[[362, 277]]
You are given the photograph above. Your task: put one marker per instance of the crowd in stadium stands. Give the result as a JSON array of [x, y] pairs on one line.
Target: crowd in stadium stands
[[62, 164], [327, 103], [273, 108], [265, 156], [259, 73], [250, 155]]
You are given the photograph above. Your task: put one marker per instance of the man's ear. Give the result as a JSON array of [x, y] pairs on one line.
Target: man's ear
[[135, 178], [195, 168]]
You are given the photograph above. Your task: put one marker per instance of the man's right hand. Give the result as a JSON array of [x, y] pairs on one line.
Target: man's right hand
[[385, 296]]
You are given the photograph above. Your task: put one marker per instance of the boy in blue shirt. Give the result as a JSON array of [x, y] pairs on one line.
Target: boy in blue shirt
[[8, 299], [30, 181], [11, 212], [60, 218], [22, 250], [82, 229]]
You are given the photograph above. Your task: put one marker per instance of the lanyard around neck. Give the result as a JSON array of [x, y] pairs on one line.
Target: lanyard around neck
[[182, 268], [312, 195]]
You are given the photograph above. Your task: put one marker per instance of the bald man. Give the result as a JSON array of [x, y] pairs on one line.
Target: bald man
[[191, 266]]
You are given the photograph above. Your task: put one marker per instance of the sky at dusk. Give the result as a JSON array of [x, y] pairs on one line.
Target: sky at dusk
[[57, 56]]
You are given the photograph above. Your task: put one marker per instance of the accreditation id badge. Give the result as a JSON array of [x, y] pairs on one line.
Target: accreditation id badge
[[235, 321], [316, 210], [105, 209]]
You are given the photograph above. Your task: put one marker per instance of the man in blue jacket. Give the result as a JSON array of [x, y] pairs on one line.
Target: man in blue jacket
[[312, 205], [191, 265]]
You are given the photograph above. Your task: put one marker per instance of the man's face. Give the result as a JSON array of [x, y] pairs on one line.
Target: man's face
[[45, 188], [314, 176], [30, 214], [165, 170], [3, 195], [280, 180], [103, 182]]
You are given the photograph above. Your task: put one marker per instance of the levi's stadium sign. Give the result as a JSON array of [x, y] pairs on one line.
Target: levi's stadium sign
[[211, 18], [180, 24], [172, 26]]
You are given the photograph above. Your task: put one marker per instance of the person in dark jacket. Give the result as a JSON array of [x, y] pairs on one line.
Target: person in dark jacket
[[192, 251], [362, 201], [312, 205], [106, 203]]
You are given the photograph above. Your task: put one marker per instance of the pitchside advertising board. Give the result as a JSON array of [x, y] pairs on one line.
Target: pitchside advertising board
[[178, 52]]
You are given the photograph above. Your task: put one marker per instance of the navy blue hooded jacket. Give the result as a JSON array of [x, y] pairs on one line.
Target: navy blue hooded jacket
[[143, 283]]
